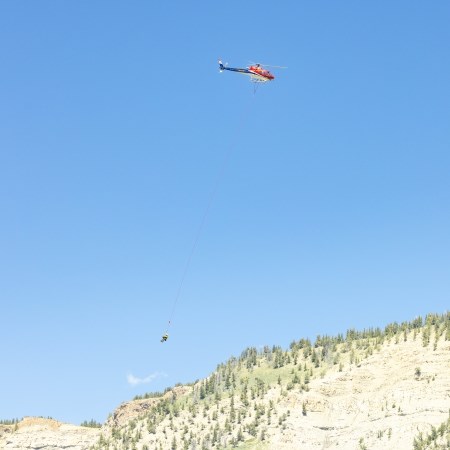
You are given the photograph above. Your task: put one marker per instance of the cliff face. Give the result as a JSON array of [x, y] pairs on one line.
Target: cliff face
[[373, 393], [380, 403]]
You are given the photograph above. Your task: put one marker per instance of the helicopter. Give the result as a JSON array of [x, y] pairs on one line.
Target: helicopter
[[257, 72]]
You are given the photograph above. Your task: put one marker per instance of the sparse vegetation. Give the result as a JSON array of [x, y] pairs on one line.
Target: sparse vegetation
[[437, 438], [9, 421], [232, 407], [91, 424]]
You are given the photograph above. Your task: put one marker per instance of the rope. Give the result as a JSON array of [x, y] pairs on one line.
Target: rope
[[231, 149]]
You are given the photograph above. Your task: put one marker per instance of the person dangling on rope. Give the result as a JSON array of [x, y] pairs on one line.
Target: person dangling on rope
[[258, 75]]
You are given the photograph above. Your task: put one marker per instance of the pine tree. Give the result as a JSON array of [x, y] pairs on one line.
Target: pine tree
[[307, 378]]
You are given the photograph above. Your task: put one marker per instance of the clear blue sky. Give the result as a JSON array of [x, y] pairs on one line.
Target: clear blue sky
[[333, 210]]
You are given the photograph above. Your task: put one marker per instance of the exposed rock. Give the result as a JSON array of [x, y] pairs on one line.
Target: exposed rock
[[137, 408], [35, 433]]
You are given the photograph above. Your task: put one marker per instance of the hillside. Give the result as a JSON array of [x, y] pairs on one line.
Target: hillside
[[371, 389]]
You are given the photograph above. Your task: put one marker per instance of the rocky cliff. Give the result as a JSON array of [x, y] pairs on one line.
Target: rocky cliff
[[46, 434]]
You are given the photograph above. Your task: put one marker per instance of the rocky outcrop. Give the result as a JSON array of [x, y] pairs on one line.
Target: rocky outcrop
[[137, 408], [34, 433]]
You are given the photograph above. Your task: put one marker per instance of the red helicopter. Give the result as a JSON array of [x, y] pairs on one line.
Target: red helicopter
[[256, 71]]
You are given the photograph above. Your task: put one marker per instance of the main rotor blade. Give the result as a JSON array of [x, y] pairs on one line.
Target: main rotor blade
[[268, 65]]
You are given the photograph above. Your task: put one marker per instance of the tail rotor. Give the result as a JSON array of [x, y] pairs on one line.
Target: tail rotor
[[222, 66]]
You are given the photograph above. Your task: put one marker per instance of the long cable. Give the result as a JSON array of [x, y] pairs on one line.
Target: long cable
[[220, 175]]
